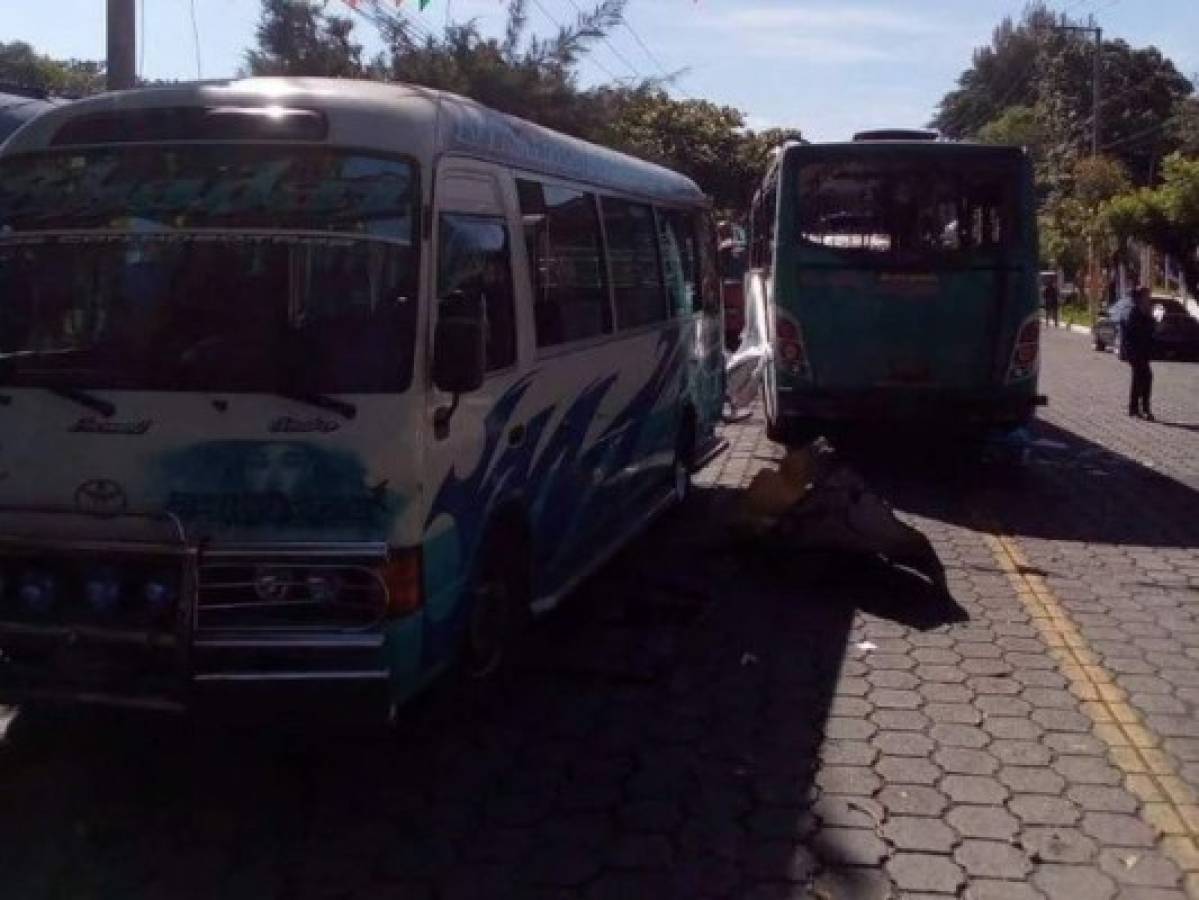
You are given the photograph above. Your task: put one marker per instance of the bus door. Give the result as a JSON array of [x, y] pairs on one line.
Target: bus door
[[903, 272], [473, 442]]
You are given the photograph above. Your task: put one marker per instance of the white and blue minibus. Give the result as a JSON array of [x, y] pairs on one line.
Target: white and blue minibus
[[311, 384]]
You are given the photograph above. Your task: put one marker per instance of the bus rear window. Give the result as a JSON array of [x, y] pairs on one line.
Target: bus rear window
[[903, 208]]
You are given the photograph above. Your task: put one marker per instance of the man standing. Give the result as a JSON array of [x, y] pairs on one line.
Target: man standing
[[1052, 301], [1136, 347]]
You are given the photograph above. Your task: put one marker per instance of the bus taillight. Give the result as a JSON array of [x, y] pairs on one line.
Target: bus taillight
[[402, 576], [1026, 355], [792, 356]]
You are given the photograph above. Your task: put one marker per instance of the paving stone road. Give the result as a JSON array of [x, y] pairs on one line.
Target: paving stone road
[[703, 720]]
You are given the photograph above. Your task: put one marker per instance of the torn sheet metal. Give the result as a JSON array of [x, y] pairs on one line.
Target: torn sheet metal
[[745, 367], [815, 503]]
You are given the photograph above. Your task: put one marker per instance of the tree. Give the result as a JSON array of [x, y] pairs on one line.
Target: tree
[[531, 77], [1185, 126], [1143, 90], [1072, 224], [1033, 63], [1001, 74], [701, 139], [23, 67], [296, 37], [1017, 126], [1165, 217]]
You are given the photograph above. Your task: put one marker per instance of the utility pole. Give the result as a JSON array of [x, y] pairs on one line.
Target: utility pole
[[1094, 275], [122, 45], [1095, 82], [1096, 73]]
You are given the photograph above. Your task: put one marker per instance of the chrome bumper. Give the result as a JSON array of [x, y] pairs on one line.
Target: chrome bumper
[[178, 664]]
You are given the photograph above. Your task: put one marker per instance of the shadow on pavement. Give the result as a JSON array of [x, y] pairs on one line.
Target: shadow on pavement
[[659, 739], [1071, 489]]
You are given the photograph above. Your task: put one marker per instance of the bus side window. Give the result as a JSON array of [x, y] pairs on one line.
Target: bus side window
[[676, 233], [636, 267], [562, 236], [474, 259]]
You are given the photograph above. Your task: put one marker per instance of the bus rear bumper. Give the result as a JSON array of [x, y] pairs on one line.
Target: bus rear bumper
[[941, 410]]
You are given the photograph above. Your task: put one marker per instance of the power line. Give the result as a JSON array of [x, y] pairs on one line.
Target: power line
[[645, 49], [603, 68], [667, 76], [1137, 135], [379, 19], [603, 37]]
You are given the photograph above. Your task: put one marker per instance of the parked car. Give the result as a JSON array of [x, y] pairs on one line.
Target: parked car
[[1177, 333], [1105, 331]]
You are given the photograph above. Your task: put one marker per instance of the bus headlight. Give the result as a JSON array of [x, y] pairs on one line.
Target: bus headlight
[[158, 596], [323, 587], [102, 591], [38, 592]]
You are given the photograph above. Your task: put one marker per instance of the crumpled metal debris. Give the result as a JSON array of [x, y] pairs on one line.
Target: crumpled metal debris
[[745, 367], [814, 502]]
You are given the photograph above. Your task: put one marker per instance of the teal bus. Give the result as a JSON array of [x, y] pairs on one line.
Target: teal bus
[[899, 278]]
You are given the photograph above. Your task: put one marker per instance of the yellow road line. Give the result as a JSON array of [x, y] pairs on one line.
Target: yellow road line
[[1168, 803]]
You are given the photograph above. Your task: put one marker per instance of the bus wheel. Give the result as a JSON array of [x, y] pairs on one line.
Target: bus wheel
[[775, 431], [499, 609]]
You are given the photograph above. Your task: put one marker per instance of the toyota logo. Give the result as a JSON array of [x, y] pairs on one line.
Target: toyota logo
[[100, 495]]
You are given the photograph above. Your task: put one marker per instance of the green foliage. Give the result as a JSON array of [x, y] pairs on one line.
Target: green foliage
[[1096, 179], [295, 37], [22, 66], [1072, 223], [705, 141], [531, 77], [1185, 126], [1166, 217], [1017, 126], [1001, 74], [1034, 64]]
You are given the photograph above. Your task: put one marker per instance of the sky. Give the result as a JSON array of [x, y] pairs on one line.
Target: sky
[[827, 67]]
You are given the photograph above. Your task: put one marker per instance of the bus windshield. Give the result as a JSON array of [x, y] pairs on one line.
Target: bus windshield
[[901, 208], [208, 267]]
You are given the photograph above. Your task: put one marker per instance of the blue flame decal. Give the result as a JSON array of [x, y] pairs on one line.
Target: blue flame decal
[[565, 487]]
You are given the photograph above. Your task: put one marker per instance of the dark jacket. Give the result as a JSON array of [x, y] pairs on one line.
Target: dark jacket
[[1136, 335]]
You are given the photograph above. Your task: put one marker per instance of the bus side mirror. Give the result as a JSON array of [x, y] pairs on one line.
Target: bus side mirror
[[459, 352]]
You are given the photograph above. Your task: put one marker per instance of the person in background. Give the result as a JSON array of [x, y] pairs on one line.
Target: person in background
[[1051, 300], [1136, 347]]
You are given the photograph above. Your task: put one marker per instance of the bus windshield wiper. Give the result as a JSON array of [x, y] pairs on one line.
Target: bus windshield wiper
[[343, 408], [83, 398], [10, 374]]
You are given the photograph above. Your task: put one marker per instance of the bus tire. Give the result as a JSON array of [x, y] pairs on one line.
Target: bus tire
[[775, 430], [499, 605]]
